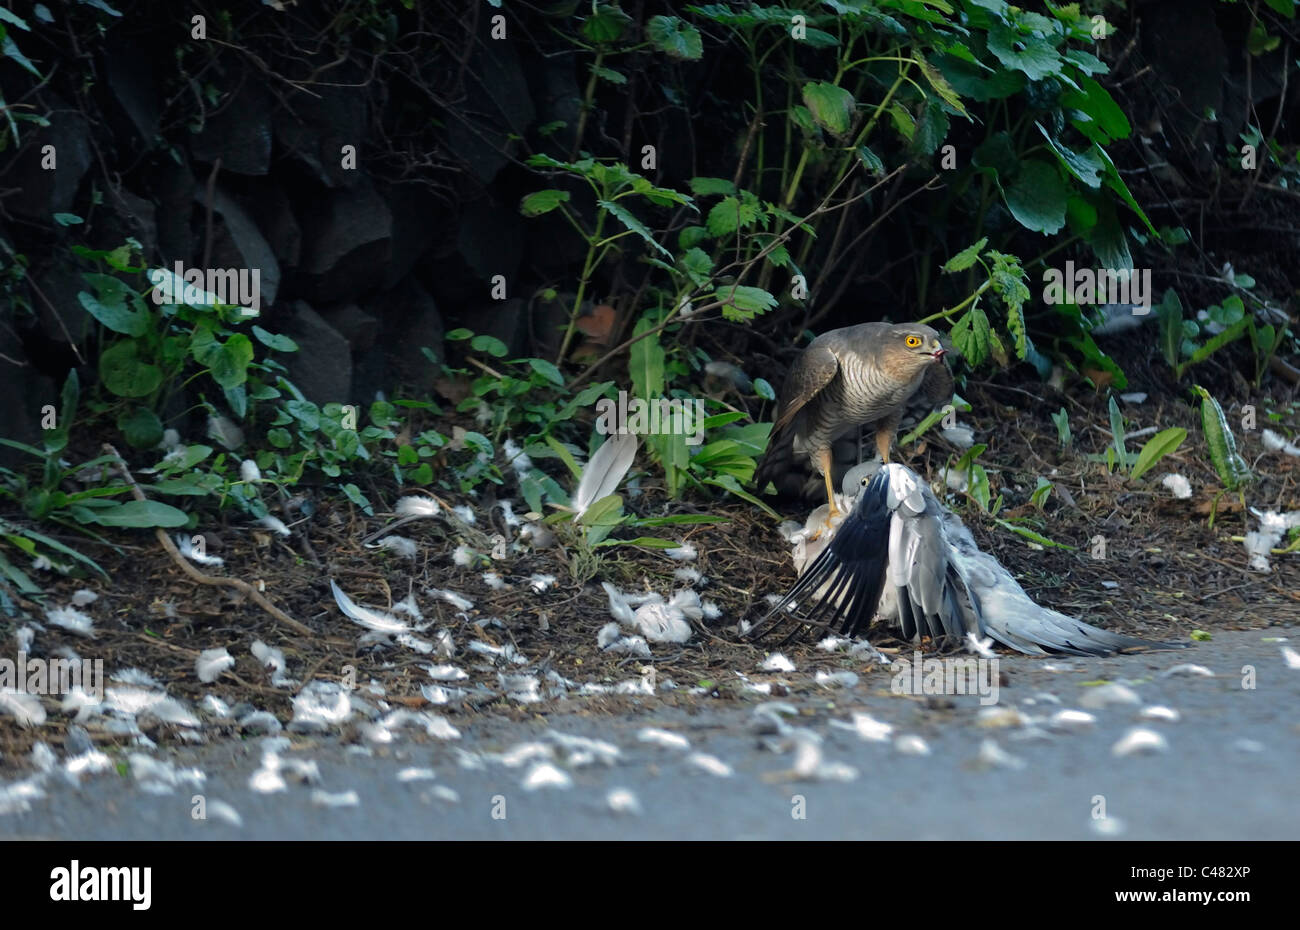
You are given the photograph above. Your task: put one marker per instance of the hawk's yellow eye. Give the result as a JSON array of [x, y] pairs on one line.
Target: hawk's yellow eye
[[913, 341]]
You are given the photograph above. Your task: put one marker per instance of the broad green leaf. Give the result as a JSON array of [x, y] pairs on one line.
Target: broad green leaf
[[831, 106], [540, 202], [1158, 446], [1037, 197], [122, 372], [109, 305], [138, 514], [675, 37]]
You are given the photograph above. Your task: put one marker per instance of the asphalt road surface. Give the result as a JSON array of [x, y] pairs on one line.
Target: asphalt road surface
[[906, 767]]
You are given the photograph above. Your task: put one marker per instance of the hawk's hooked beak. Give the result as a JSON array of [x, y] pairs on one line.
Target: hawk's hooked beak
[[939, 352]]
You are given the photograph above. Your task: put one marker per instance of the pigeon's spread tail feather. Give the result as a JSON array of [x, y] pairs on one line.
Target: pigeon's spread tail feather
[[901, 557]]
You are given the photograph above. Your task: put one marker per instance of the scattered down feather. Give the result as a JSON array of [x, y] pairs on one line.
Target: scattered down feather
[[903, 558]]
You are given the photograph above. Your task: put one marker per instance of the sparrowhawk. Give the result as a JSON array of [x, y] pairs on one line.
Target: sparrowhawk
[[865, 375]]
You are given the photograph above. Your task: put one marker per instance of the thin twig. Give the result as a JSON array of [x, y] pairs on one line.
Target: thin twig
[[238, 584]]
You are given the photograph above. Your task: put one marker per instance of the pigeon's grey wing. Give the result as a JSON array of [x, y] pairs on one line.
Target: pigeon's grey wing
[[929, 591], [1008, 615], [842, 587]]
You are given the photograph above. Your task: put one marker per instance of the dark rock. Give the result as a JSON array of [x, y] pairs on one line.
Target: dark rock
[[490, 239], [346, 245], [322, 366], [271, 209], [495, 87], [316, 128], [174, 190], [39, 192], [415, 225], [25, 391], [131, 216], [133, 81], [409, 322], [359, 328], [238, 243], [239, 131]]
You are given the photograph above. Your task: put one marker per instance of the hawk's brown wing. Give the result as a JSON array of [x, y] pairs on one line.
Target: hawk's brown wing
[[815, 368]]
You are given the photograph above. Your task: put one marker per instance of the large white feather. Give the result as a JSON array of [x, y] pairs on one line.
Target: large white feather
[[605, 471]]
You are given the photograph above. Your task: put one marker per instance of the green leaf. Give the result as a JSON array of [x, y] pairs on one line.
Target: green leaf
[[606, 25], [743, 302], [1170, 316], [646, 362], [965, 258], [122, 372], [228, 361], [138, 514], [608, 74], [941, 85], [489, 344], [109, 305], [68, 219], [675, 37], [1030, 54], [871, 161], [1158, 446], [971, 336], [1029, 534], [1117, 432], [540, 202], [547, 370], [1086, 166], [14, 54], [141, 427], [629, 220], [566, 457], [730, 214], [698, 266], [1096, 102], [354, 494], [1037, 198], [831, 106], [704, 187], [274, 341]]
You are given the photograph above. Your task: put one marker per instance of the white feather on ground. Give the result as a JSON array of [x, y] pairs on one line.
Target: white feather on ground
[[605, 471]]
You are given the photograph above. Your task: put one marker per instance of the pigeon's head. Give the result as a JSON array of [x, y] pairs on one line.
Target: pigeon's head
[[912, 346]]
